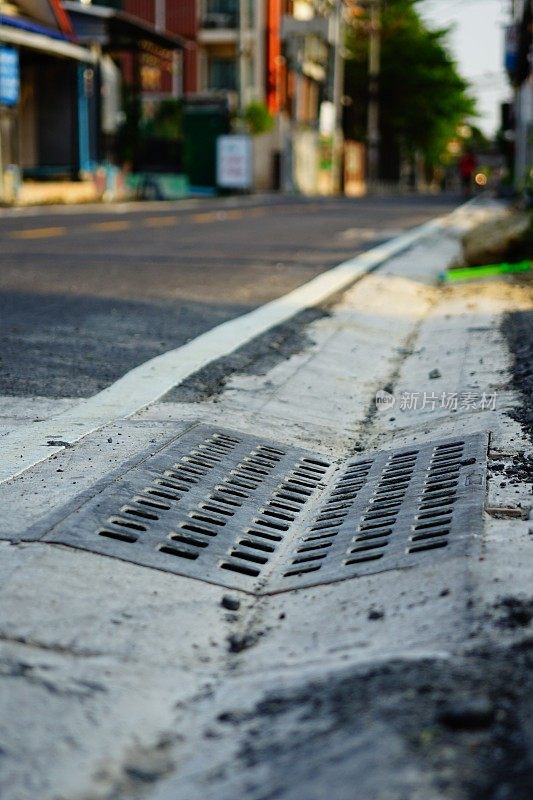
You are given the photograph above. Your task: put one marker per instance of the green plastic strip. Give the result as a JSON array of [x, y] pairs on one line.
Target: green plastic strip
[[467, 273]]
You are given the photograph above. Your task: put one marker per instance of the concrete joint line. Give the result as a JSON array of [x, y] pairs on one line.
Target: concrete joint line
[[145, 384]]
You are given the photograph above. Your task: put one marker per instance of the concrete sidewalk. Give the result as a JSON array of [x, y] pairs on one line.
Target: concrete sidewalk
[[121, 681]]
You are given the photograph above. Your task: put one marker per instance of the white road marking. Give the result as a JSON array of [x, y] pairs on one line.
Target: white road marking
[[366, 234], [27, 446], [37, 233]]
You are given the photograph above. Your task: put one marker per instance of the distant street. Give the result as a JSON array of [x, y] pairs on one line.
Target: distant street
[[87, 295]]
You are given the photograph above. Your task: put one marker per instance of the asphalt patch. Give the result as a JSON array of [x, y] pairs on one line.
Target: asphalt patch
[[518, 330], [67, 346], [457, 729], [516, 612], [515, 469], [257, 357]]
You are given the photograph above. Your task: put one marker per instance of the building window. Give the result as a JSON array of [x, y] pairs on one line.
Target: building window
[[222, 74], [221, 14]]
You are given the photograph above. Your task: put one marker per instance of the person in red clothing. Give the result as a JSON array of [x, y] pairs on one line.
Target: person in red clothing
[[467, 167]]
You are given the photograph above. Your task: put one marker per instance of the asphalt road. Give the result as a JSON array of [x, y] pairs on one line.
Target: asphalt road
[[87, 295]]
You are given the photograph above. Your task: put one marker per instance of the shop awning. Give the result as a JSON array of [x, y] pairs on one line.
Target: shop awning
[[24, 34], [47, 12], [117, 30]]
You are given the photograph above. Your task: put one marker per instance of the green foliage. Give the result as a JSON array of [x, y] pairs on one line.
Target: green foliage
[[478, 141], [258, 118], [128, 134], [422, 97], [138, 130], [166, 122]]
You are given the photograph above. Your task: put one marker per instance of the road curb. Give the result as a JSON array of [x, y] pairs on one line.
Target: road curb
[[148, 382]]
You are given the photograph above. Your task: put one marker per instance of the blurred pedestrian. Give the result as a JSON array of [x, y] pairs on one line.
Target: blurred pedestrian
[[467, 168]]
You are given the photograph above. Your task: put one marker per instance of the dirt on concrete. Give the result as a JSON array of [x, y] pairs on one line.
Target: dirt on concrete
[[443, 729], [508, 237], [518, 330]]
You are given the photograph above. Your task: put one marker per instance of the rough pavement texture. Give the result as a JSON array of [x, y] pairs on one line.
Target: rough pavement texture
[[79, 310], [123, 683], [58, 348], [518, 329], [256, 358], [458, 729]]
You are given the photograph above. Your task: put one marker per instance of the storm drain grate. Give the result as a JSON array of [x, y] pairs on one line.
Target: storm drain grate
[[248, 513], [393, 510], [214, 505]]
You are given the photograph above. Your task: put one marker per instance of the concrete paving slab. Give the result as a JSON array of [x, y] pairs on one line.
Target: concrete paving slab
[[132, 683], [72, 472]]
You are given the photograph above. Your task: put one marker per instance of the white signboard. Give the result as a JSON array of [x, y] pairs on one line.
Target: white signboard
[[327, 118], [234, 162]]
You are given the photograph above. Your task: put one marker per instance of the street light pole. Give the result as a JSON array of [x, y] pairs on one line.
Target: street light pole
[[243, 54], [374, 46], [338, 82], [2, 176], [337, 93]]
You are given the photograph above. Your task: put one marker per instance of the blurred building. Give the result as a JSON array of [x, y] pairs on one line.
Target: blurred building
[[134, 60], [89, 84], [306, 95], [277, 52], [46, 92], [226, 44]]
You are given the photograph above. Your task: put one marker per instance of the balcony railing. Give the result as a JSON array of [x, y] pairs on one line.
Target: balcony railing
[[221, 14], [116, 4], [214, 20]]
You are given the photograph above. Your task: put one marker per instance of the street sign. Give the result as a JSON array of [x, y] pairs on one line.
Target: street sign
[[9, 76], [512, 35], [234, 162], [316, 26], [326, 123]]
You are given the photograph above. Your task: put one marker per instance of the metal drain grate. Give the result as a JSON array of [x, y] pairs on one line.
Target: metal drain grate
[[247, 513], [393, 510], [213, 505]]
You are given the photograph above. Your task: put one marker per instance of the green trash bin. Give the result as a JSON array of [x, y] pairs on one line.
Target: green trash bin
[[203, 122]]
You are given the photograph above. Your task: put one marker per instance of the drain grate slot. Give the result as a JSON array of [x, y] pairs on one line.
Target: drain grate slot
[[238, 511], [406, 507], [212, 505], [240, 568], [119, 536], [177, 551]]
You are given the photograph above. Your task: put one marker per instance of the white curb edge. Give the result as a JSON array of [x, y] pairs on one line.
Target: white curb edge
[[25, 447]]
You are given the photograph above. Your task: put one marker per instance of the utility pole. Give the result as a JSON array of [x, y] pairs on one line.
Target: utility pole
[[374, 46], [338, 90], [2, 179], [160, 15], [338, 82], [243, 52]]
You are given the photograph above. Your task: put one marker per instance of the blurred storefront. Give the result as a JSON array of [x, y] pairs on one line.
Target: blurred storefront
[[46, 94], [311, 149], [134, 59]]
